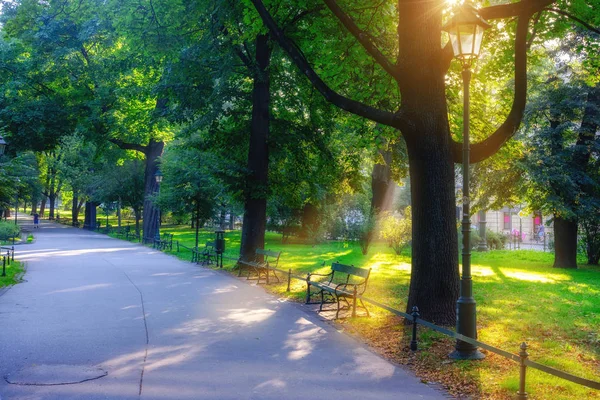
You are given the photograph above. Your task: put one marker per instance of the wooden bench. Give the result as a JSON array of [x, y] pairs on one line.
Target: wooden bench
[[264, 263], [343, 282]]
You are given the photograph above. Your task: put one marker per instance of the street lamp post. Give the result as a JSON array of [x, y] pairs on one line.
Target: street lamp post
[[466, 34], [159, 177], [482, 246]]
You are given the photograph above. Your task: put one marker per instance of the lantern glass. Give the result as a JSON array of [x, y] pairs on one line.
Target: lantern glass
[[466, 41], [2, 145], [158, 176]]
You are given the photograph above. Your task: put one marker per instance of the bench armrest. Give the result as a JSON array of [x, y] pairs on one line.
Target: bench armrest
[[351, 285]]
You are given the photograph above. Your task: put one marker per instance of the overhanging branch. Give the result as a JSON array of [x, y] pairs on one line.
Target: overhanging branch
[[129, 146], [355, 107], [481, 151], [524, 7], [576, 19], [363, 38]]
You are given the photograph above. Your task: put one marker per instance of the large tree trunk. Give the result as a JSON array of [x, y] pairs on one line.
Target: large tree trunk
[[52, 198], [565, 243], [255, 205], [310, 221], [90, 215], [138, 217], [75, 209], [434, 278], [34, 204], [153, 151], [43, 206], [382, 190], [434, 284]]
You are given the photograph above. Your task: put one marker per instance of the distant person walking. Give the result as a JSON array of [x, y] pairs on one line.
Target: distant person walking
[[36, 221]]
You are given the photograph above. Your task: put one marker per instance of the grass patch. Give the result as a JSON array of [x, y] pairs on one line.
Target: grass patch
[[12, 272], [520, 298]]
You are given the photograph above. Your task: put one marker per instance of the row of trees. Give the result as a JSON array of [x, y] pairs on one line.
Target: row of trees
[[283, 109]]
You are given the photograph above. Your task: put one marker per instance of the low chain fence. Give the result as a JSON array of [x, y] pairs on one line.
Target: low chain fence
[[414, 318], [8, 256]]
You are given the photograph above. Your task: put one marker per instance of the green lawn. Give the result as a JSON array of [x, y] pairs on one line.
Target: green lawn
[[520, 298], [12, 271]]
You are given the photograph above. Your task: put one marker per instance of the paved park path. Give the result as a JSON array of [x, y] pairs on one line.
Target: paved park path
[[160, 328]]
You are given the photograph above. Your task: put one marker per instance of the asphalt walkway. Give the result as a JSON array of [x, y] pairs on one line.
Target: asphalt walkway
[[128, 322]]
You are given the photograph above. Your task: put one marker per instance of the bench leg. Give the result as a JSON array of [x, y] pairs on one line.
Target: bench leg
[[337, 314], [322, 301], [365, 307], [307, 293]]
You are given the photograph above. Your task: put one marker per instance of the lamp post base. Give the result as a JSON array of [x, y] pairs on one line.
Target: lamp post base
[[467, 355]]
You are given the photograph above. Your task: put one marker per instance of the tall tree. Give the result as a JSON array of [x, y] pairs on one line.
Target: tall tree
[[420, 73]]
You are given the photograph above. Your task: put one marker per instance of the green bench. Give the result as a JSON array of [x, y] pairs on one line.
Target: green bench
[[264, 263], [165, 242], [209, 252], [342, 283]]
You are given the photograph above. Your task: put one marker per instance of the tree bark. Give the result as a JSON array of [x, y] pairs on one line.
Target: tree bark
[[90, 215], [153, 152], [255, 204], [382, 195], [52, 198], [310, 220], [231, 220], [434, 284], [34, 204], [197, 222], [75, 209], [138, 216], [565, 243], [43, 205]]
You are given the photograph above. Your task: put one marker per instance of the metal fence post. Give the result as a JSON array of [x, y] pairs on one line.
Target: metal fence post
[[522, 395], [308, 288], [3, 266], [13, 253], [354, 303], [178, 246], [8, 256], [415, 315], [289, 279]]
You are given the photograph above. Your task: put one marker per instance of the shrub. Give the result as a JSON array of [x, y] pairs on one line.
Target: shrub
[[397, 231], [8, 230], [495, 241]]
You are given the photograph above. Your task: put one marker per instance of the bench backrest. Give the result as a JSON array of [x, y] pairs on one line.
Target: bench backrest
[[268, 255], [351, 270], [210, 244]]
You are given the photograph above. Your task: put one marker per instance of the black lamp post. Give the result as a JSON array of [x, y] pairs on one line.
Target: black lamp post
[[159, 177], [466, 34]]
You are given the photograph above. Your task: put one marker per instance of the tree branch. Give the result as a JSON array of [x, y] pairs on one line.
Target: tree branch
[[481, 151], [355, 107], [129, 146], [576, 19], [363, 38], [524, 7]]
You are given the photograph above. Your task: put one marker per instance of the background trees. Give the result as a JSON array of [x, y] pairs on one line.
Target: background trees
[[307, 114]]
